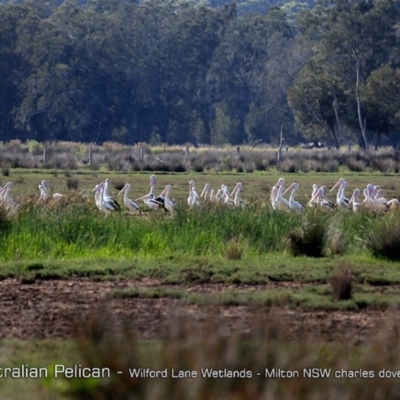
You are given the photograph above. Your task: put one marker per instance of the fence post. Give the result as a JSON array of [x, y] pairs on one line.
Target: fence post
[[44, 155], [90, 156], [280, 145], [141, 152], [238, 149]]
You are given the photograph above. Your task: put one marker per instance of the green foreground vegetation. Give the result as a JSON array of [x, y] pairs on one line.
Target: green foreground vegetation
[[251, 246]]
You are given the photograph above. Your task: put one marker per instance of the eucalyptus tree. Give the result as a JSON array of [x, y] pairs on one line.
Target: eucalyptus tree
[[351, 39], [382, 103], [242, 74], [12, 66], [71, 90]]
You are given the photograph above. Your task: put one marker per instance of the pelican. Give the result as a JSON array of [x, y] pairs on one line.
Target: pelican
[[393, 203], [47, 187], [205, 192], [129, 203], [169, 205], [369, 200], [294, 204], [193, 199], [108, 199], [282, 203], [212, 195], [237, 201], [219, 194], [277, 200], [103, 202], [43, 194], [5, 195], [341, 200], [98, 195], [314, 191], [321, 199], [150, 199], [355, 200]]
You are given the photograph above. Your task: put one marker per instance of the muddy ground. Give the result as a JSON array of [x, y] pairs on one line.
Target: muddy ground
[[52, 309]]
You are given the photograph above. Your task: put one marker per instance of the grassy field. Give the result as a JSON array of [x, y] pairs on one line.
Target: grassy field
[[353, 266]]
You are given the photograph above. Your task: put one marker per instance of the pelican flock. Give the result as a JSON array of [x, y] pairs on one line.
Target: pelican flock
[[374, 198]]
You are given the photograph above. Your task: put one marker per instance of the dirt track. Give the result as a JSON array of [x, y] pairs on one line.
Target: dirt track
[[49, 309]]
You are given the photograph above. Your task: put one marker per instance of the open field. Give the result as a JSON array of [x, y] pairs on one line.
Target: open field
[[167, 280]]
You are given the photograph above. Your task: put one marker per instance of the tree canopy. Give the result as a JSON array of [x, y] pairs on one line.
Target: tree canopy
[[209, 72]]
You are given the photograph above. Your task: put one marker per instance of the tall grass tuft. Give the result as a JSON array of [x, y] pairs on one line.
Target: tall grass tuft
[[383, 240], [234, 249], [310, 238], [5, 222]]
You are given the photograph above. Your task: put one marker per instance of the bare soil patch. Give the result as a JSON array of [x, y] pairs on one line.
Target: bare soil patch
[[51, 309]]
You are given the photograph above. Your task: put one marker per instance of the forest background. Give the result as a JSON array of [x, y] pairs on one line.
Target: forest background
[[204, 71]]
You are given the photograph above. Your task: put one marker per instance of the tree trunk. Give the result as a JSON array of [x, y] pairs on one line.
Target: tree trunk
[[360, 119]]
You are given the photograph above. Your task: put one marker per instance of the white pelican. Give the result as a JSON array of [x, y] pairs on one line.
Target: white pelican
[[321, 199], [237, 201], [282, 203], [98, 195], [212, 195], [277, 200], [294, 204], [206, 191], [193, 199], [47, 187], [43, 194], [393, 203], [314, 191], [341, 200], [369, 200], [219, 194], [108, 199], [105, 203], [150, 199], [5, 196], [129, 203], [355, 200], [169, 205]]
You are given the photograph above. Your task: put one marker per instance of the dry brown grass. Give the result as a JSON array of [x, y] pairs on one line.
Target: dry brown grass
[[341, 283]]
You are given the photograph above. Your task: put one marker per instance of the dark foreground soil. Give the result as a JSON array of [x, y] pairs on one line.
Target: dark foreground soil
[[53, 309]]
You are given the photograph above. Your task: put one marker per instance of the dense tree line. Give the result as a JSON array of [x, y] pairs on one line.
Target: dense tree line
[[180, 72]]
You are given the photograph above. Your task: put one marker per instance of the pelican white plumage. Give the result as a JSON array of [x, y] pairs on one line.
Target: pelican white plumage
[[314, 191], [321, 199], [282, 203], [277, 200], [393, 204], [103, 201], [98, 195], [355, 200], [5, 195], [206, 192], [4, 192], [43, 195], [108, 199], [237, 200], [130, 204], [341, 199], [169, 205], [294, 205], [369, 201], [155, 203], [193, 199], [212, 195], [47, 187]]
